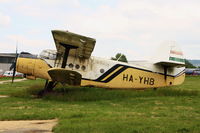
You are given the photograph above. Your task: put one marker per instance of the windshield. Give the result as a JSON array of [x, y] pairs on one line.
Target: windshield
[[48, 54]]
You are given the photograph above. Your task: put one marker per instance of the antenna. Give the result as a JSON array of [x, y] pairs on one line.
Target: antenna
[[16, 47]]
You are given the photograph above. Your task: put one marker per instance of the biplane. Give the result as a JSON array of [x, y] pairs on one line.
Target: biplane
[[72, 64]]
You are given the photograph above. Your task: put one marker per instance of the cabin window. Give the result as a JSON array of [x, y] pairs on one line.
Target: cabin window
[[83, 68], [77, 66], [71, 65], [102, 70]]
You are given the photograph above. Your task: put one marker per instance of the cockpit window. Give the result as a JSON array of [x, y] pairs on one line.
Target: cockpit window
[[48, 54], [27, 55]]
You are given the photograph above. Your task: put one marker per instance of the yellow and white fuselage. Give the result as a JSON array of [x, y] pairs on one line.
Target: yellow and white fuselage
[[73, 64], [107, 73]]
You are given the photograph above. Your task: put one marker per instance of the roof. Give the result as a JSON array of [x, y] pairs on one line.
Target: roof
[[7, 55]]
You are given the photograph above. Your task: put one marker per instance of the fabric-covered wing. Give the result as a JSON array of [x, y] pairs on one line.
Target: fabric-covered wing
[[81, 46]]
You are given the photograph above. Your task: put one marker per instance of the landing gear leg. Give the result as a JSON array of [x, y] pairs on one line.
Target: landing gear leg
[[155, 89], [49, 85]]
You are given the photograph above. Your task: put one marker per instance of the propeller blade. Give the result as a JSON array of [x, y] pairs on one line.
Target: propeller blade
[[14, 71], [15, 63], [12, 66]]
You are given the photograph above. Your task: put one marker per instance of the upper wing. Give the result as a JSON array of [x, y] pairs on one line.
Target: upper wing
[[82, 46]]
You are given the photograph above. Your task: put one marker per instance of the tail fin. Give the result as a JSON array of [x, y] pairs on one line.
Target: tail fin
[[169, 54]]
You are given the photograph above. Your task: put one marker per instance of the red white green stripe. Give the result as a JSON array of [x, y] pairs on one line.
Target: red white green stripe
[[177, 59]]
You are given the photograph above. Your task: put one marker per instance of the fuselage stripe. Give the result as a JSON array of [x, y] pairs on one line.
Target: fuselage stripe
[[112, 73], [108, 76], [115, 74], [107, 72]]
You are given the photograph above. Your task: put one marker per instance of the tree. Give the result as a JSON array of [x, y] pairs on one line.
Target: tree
[[188, 64], [119, 57]]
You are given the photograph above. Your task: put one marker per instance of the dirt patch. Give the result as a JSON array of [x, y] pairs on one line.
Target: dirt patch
[[27, 126], [3, 96]]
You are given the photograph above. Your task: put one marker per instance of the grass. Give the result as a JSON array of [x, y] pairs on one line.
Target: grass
[[9, 78], [167, 110]]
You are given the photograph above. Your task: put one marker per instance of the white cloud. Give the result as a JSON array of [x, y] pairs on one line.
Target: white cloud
[[136, 26], [7, 1], [133, 17], [7, 47], [27, 44], [4, 20], [73, 3], [46, 8]]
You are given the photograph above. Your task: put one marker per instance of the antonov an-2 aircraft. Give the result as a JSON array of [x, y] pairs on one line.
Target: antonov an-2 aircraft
[[73, 64]]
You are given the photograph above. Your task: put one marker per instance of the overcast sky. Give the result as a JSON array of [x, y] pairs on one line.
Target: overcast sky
[[132, 27]]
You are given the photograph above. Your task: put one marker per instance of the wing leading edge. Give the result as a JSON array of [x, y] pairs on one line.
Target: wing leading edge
[[65, 76]]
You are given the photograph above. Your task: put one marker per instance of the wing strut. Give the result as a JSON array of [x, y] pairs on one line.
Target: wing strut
[[165, 72], [66, 53], [65, 57]]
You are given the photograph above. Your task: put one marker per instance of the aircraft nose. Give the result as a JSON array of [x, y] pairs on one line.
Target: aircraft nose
[[20, 66], [33, 67], [25, 65]]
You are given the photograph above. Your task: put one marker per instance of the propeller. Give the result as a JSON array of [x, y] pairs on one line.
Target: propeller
[[14, 65]]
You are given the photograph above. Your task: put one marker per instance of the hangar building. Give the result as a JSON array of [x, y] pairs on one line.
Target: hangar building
[[6, 60]]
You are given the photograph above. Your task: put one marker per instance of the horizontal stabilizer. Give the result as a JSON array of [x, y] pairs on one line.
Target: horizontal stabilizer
[[65, 76], [170, 64]]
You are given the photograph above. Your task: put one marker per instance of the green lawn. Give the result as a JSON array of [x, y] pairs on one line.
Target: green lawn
[[9, 78], [166, 110]]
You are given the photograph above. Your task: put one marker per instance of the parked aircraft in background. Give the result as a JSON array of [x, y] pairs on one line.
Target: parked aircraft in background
[[73, 64], [192, 71]]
